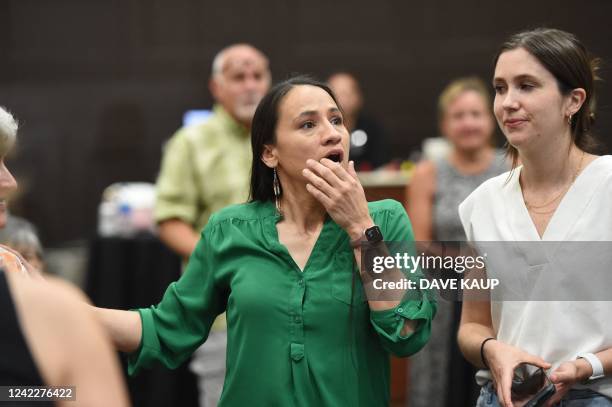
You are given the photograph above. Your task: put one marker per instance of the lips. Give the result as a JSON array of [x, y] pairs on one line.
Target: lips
[[514, 122], [335, 155]]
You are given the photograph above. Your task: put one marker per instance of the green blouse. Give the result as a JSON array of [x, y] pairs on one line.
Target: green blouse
[[294, 338]]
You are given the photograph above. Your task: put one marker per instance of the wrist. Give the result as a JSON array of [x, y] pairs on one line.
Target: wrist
[[357, 230], [484, 355], [584, 370], [595, 367]]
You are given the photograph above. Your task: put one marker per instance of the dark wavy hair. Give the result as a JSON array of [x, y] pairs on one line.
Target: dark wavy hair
[[568, 60], [263, 132]]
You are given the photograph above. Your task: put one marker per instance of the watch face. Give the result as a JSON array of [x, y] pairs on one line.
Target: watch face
[[374, 234]]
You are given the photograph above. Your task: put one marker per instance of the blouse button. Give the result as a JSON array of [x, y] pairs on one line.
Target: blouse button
[[297, 351]]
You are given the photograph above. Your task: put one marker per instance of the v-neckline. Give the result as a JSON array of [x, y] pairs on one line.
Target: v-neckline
[[285, 251], [576, 197]]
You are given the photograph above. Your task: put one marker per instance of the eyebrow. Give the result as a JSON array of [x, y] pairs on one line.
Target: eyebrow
[[314, 112], [307, 113], [516, 78]]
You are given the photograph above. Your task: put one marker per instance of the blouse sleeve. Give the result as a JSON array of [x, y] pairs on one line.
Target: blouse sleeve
[[173, 329], [420, 308]]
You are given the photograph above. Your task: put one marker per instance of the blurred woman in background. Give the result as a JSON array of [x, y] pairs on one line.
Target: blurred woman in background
[[10, 260], [433, 196], [48, 338]]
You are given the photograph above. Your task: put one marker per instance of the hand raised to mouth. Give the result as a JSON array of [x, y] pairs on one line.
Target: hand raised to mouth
[[341, 193]]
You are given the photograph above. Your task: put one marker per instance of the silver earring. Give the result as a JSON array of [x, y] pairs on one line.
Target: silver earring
[[277, 192], [569, 119]]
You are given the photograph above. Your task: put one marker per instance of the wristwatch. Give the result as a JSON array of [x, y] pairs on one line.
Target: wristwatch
[[371, 235], [598, 370]]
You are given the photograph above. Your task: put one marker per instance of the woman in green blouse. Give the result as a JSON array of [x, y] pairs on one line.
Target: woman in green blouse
[[283, 266]]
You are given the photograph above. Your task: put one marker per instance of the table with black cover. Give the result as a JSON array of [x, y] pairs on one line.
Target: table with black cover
[[126, 273]]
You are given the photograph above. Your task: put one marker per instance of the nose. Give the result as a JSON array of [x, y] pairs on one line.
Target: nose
[[331, 135], [252, 83], [7, 181], [510, 101], [472, 120]]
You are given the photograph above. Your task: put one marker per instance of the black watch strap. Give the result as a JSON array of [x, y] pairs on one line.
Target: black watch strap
[[371, 235]]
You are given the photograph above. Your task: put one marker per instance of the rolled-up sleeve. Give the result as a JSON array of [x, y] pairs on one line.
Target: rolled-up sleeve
[[389, 324], [420, 308], [174, 328]]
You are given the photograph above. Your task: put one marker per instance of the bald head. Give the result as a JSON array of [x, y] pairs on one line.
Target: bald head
[[240, 78], [237, 53]]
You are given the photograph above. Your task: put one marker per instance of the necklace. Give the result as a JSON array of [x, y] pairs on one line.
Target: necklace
[[531, 207]]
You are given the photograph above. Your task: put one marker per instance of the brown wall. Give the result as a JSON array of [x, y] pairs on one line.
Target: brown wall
[[98, 85]]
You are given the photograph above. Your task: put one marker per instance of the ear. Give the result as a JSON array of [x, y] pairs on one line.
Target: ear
[[269, 156], [575, 101], [213, 87]]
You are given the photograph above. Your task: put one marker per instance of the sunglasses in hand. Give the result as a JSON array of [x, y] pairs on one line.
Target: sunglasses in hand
[[531, 386]]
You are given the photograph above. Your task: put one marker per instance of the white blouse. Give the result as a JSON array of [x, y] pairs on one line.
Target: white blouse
[[557, 331]]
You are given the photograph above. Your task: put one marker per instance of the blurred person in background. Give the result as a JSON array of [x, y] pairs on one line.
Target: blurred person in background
[[9, 260], [21, 235], [205, 167], [48, 338], [433, 196], [8, 133], [369, 140]]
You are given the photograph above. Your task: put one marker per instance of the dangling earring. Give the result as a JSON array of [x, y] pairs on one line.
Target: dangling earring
[[569, 119], [277, 192]]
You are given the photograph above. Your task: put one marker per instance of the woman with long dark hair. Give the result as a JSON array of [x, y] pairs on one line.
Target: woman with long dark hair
[[283, 266]]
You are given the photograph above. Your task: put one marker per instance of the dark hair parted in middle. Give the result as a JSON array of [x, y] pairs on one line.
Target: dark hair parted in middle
[[568, 60], [263, 132]]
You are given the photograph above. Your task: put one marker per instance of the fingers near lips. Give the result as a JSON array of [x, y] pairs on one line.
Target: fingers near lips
[[331, 171], [317, 181]]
